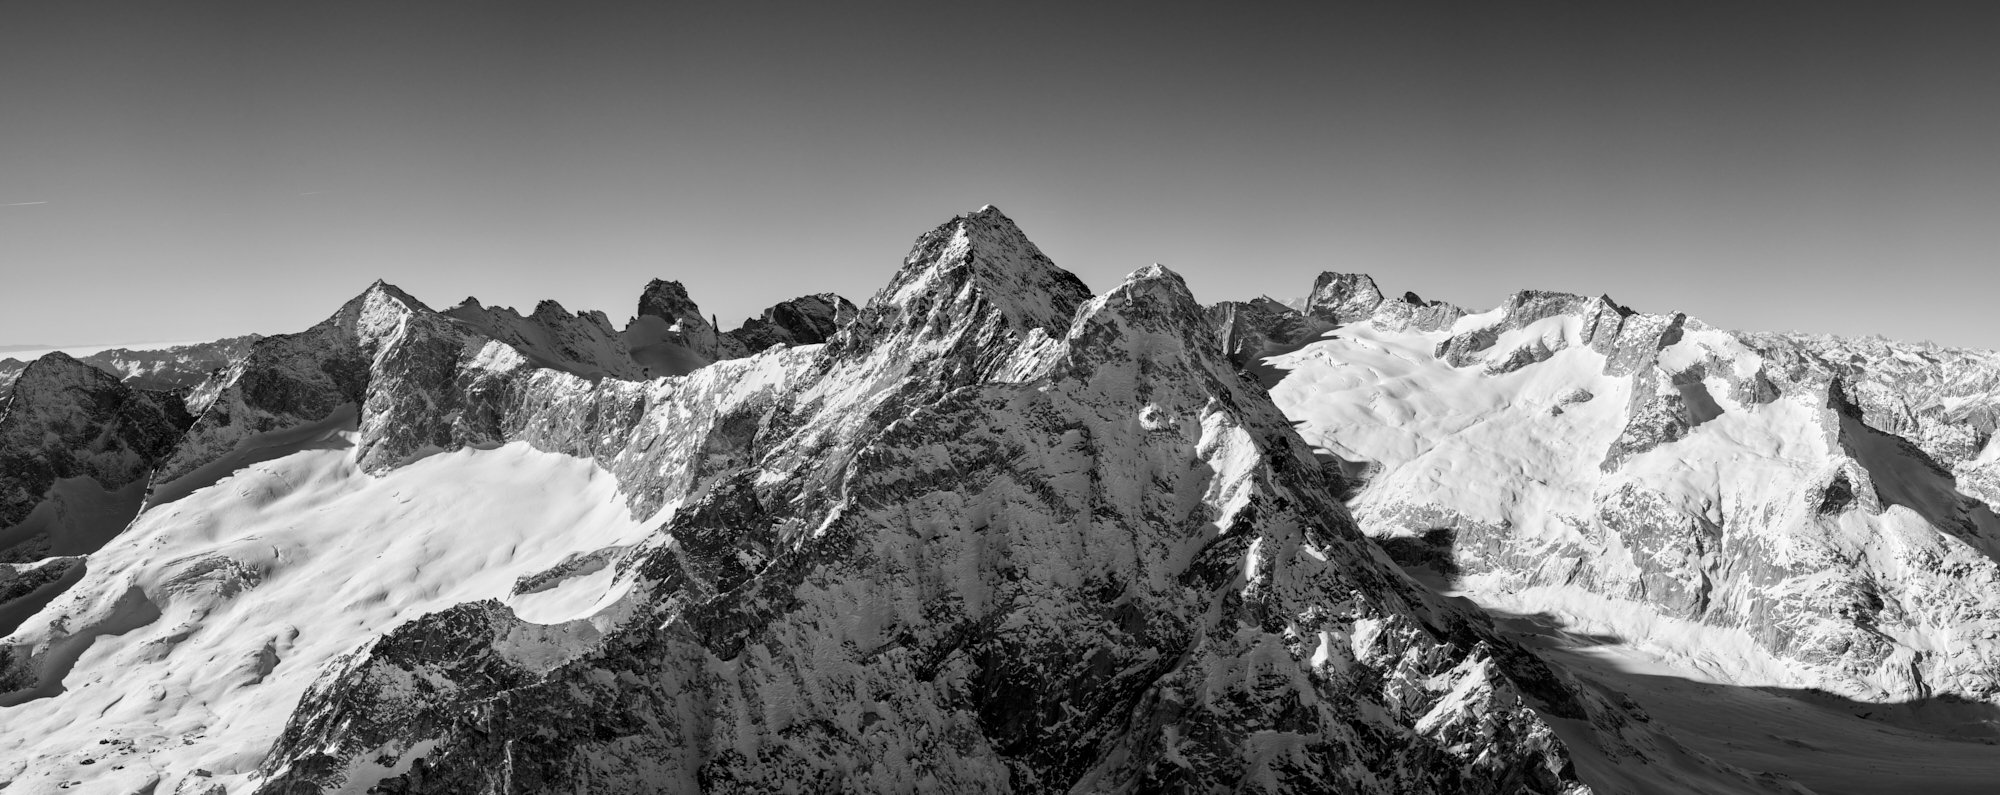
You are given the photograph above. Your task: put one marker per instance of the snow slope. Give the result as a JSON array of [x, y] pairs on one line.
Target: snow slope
[[1639, 472], [231, 600]]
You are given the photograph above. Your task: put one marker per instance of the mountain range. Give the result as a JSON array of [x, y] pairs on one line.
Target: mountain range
[[991, 531]]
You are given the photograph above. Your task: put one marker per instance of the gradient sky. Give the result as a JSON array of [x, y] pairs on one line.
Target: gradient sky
[[191, 170]]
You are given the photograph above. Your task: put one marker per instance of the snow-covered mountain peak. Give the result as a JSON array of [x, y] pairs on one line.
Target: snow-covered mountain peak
[[1147, 346], [1156, 281], [983, 256], [377, 313], [1153, 301], [381, 292]]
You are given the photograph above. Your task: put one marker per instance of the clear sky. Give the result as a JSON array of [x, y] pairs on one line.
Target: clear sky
[[189, 170]]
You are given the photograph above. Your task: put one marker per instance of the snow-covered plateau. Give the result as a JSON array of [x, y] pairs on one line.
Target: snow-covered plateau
[[993, 532]]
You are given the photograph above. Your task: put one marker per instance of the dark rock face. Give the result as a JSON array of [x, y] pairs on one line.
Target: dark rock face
[[1252, 330], [670, 336], [21, 579], [996, 536], [669, 301], [67, 420], [27, 587], [807, 320], [1658, 413]]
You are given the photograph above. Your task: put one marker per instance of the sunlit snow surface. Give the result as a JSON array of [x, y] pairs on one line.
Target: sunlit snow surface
[[230, 601], [1524, 449]]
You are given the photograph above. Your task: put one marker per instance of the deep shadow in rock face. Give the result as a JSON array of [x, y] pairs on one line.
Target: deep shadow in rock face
[[25, 677], [1905, 476], [22, 596], [1700, 405], [1257, 364], [1430, 552], [1551, 626], [1824, 741], [1348, 475], [269, 446]]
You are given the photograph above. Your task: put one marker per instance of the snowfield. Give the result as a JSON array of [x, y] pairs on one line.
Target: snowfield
[[1717, 509], [233, 599]]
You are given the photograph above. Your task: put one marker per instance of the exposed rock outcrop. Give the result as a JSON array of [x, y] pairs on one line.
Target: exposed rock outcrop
[[807, 320], [671, 336]]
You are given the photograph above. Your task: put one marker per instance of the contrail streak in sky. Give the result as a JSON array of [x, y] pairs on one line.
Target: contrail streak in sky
[[21, 204]]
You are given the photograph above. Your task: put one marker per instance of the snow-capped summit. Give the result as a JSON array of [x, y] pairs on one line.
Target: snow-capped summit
[[981, 257]]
